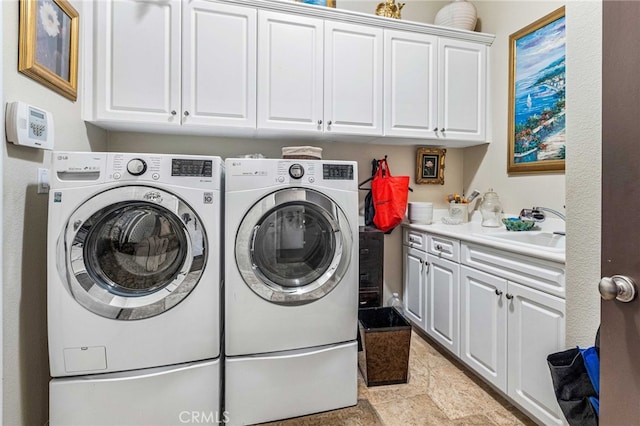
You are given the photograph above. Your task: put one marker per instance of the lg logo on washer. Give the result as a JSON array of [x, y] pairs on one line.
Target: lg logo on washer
[[203, 417]]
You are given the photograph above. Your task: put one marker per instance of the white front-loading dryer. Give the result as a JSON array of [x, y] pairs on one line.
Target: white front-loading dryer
[[291, 287], [133, 261]]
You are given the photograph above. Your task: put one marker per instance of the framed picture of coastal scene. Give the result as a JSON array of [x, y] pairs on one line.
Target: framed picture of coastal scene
[[537, 96]]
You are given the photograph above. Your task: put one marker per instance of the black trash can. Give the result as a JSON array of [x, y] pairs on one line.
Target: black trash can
[[386, 339]]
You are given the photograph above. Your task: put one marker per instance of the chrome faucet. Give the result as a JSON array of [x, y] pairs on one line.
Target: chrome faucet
[[536, 214]]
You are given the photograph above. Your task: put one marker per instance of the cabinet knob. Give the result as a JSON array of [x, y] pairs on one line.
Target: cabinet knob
[[442, 130], [319, 122], [329, 123], [186, 113], [435, 129], [439, 247], [173, 112], [498, 292], [509, 296]]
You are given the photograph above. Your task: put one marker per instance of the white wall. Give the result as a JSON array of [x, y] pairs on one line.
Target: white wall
[[584, 171], [25, 363], [486, 166]]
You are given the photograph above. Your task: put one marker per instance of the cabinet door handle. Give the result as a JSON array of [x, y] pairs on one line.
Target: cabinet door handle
[[414, 240], [186, 113], [173, 112], [498, 292], [438, 247], [435, 129], [509, 296], [442, 130], [329, 123]]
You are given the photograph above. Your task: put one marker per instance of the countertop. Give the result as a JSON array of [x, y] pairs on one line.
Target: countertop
[[474, 232]]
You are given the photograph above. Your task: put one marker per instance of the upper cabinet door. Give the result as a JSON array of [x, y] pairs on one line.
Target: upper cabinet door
[[410, 84], [353, 79], [137, 61], [219, 64], [462, 95], [290, 72]]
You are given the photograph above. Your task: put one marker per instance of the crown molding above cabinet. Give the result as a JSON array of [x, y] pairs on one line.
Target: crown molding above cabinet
[[282, 69]]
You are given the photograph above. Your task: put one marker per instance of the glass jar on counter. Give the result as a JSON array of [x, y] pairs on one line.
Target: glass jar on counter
[[491, 209]]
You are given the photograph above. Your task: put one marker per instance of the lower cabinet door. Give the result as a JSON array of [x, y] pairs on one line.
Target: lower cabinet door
[[483, 325], [414, 266], [443, 302], [536, 329]]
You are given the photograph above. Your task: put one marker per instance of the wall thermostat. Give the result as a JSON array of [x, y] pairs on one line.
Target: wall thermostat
[[28, 125]]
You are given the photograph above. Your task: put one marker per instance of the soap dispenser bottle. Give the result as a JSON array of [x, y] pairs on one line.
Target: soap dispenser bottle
[[491, 209]]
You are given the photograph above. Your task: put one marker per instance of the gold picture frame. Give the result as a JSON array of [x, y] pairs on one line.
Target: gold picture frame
[[430, 165], [536, 129], [48, 44]]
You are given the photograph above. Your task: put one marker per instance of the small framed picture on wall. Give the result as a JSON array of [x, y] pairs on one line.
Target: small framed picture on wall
[[430, 165]]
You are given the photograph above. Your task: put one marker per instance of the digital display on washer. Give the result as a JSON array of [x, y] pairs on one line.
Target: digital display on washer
[[337, 172], [197, 168]]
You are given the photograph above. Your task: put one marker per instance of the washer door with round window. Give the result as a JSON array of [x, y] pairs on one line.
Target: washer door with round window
[[132, 252], [293, 246]]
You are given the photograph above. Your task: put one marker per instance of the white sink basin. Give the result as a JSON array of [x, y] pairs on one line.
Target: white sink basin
[[535, 239]]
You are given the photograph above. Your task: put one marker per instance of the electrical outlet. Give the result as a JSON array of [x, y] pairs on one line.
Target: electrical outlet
[[43, 181]]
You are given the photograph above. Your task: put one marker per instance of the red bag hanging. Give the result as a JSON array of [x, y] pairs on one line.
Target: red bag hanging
[[390, 195]]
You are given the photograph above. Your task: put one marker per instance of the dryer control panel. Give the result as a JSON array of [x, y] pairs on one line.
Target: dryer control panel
[[263, 172]]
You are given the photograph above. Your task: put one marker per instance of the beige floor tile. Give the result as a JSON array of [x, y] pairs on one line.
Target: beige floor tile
[[475, 420], [417, 385], [418, 410], [459, 394]]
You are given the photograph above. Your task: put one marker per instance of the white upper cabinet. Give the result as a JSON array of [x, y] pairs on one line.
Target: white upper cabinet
[[137, 61], [462, 93], [410, 84], [353, 78], [290, 72], [218, 64], [256, 68]]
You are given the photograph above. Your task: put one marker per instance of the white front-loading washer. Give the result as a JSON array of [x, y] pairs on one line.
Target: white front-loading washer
[[291, 296], [134, 277]]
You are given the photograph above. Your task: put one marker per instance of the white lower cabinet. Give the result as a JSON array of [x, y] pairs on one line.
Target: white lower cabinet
[[442, 302], [501, 313], [414, 271], [483, 325], [535, 329]]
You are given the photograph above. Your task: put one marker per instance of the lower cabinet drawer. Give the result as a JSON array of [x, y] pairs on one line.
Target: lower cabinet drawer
[[370, 299]]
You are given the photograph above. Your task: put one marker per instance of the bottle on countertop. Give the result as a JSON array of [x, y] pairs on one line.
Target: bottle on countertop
[[395, 302]]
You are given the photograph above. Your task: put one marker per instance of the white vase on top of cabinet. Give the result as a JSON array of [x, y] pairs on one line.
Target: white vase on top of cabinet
[[158, 63]]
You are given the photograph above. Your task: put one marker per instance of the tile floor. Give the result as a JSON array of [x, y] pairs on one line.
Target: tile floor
[[439, 392]]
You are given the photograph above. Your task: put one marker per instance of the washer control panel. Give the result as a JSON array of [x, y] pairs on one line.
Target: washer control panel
[[136, 166], [296, 171]]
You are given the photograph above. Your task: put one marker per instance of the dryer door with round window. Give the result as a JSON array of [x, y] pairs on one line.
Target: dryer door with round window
[[293, 246], [132, 252]]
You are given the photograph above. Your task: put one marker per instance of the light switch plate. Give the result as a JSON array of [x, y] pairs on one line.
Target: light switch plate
[[43, 180]]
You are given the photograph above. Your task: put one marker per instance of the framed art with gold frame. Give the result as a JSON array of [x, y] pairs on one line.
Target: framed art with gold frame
[[537, 96], [48, 44], [430, 165]]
